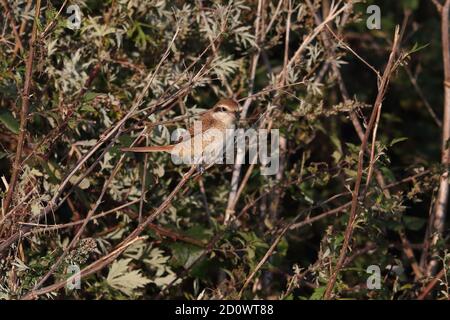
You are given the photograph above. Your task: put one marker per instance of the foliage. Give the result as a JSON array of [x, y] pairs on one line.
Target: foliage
[[172, 60]]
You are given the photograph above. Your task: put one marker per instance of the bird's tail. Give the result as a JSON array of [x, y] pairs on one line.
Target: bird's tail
[[149, 149]]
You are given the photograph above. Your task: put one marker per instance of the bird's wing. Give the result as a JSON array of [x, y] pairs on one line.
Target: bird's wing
[[207, 120]]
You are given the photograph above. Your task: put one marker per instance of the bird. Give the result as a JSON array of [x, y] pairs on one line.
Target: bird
[[205, 140]]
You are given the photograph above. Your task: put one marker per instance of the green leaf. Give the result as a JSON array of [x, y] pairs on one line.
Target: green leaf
[[417, 48], [88, 108], [184, 254], [318, 293], [123, 280], [84, 184], [50, 13], [397, 140], [9, 121], [388, 173], [411, 4], [414, 223], [198, 232], [89, 96]]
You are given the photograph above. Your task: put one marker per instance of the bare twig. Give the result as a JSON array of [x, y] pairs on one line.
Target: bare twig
[[308, 221], [438, 5], [239, 157], [114, 134], [99, 264], [23, 24], [165, 99], [359, 130], [437, 220], [143, 185], [94, 267], [213, 45], [46, 227], [24, 110], [419, 91], [57, 132], [426, 291], [232, 200], [12, 22], [263, 260], [356, 192], [54, 21]]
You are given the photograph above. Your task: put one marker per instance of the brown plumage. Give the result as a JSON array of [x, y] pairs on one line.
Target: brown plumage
[[209, 121], [220, 117]]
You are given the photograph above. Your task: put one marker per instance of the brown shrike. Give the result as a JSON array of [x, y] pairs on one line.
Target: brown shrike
[[206, 139]]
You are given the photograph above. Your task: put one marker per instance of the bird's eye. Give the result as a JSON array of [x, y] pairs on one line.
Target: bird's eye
[[222, 109]]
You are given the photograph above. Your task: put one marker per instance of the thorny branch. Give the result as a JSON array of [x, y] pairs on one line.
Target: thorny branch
[[24, 111], [356, 191]]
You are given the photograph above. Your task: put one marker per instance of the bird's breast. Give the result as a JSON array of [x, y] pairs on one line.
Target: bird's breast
[[224, 120]]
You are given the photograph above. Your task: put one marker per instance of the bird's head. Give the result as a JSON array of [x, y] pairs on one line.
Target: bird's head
[[226, 105], [226, 110]]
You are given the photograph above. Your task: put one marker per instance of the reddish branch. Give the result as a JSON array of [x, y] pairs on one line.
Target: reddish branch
[[438, 218], [356, 192], [295, 225], [13, 24], [60, 129], [99, 264], [165, 100], [425, 292], [24, 111]]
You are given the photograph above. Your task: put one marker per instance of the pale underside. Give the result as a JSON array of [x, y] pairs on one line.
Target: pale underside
[[208, 147]]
